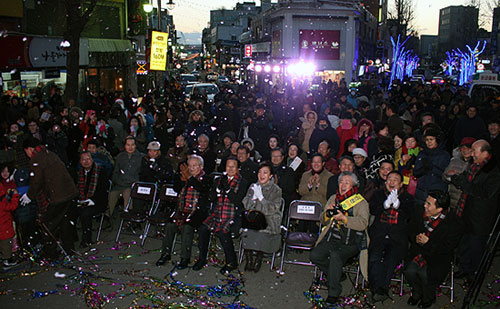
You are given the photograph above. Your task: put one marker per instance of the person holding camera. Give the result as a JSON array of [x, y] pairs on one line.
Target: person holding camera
[[226, 196], [263, 197], [345, 218]]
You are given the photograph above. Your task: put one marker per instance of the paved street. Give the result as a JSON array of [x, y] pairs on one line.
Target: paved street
[[124, 276]]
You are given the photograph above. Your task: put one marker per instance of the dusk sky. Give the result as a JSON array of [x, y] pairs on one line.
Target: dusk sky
[[191, 16]]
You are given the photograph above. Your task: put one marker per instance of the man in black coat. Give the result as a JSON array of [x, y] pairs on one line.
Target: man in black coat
[[284, 176], [209, 157], [324, 132], [392, 208], [192, 208], [478, 204], [434, 235], [259, 128], [155, 167], [93, 193], [248, 168]]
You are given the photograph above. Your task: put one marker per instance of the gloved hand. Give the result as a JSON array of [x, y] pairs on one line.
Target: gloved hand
[[24, 200], [89, 202], [395, 199], [224, 183], [257, 192]]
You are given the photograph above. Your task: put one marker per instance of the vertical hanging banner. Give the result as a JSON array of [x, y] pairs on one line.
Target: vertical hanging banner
[[159, 44]]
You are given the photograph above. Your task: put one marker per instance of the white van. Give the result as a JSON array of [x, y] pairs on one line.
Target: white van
[[484, 85], [210, 90]]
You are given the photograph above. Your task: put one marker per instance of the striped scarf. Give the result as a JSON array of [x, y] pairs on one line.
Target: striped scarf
[[87, 182], [224, 211], [472, 172], [430, 225], [390, 216]]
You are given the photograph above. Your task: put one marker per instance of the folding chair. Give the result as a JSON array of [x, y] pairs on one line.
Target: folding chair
[[401, 277], [451, 284], [103, 214], [167, 195], [145, 191], [353, 266], [242, 250], [301, 210]]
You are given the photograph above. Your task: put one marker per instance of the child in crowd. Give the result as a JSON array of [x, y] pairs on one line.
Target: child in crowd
[[9, 199]]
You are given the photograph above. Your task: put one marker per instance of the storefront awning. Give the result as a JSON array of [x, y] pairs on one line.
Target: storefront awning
[[107, 45]]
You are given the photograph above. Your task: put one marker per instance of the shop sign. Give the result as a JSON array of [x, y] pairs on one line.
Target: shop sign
[[276, 44], [248, 51], [159, 45], [15, 56], [141, 68], [52, 52], [320, 44], [24, 84]]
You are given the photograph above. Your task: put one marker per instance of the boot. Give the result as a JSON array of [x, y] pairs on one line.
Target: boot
[[165, 257], [184, 263], [258, 261], [249, 260]]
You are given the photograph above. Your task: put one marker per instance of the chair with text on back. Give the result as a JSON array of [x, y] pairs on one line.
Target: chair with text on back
[[241, 250], [166, 196], [300, 210], [143, 191]]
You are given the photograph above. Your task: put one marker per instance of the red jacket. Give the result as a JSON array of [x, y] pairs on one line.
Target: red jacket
[[6, 209]]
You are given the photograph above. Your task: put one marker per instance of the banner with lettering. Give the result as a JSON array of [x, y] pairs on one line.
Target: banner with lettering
[[159, 44], [319, 44]]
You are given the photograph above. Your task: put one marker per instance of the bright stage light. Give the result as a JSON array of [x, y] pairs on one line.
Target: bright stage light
[[267, 68], [258, 68]]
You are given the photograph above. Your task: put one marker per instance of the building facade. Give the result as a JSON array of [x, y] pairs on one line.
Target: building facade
[[458, 26]]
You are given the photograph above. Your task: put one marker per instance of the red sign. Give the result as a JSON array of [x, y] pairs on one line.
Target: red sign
[[248, 51], [319, 44], [15, 52]]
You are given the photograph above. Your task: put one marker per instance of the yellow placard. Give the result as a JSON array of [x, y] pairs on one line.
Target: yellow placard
[[159, 44], [352, 201]]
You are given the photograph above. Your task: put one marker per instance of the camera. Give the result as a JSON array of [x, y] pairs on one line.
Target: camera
[[332, 212]]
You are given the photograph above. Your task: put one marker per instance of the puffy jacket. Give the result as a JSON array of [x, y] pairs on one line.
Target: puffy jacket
[[429, 168]]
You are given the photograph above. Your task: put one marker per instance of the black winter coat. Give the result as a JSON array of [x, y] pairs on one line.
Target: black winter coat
[[439, 250], [483, 194], [398, 233]]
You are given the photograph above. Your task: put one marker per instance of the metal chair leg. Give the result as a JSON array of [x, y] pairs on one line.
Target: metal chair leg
[[452, 283], [100, 227], [146, 231], [272, 260], [283, 257], [119, 231]]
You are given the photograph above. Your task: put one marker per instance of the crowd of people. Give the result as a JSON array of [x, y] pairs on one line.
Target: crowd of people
[[409, 174]]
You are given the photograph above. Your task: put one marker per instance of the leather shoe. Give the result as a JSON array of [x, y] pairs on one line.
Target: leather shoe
[[426, 304], [165, 257], [184, 263], [412, 301], [228, 268], [258, 261], [332, 301], [199, 265]]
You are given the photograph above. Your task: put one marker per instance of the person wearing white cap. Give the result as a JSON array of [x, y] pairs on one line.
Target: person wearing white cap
[[361, 160], [155, 167]]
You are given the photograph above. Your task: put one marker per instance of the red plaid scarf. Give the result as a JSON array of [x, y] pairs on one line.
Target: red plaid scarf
[[390, 216], [187, 202], [87, 182], [473, 170], [224, 211], [430, 225], [339, 198]]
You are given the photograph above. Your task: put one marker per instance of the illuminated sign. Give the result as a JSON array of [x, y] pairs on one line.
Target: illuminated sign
[[159, 44], [319, 44], [141, 68], [248, 51]]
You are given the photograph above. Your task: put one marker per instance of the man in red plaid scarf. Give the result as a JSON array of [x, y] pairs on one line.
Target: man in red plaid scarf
[[226, 195], [392, 207], [192, 208], [435, 233], [478, 204]]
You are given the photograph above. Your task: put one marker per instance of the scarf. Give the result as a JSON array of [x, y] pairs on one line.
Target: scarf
[[430, 225], [390, 216], [472, 172], [313, 172], [187, 202], [87, 182], [339, 198], [224, 211]]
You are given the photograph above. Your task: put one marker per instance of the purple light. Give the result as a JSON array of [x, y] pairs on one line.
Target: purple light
[[276, 69], [258, 68], [301, 68], [267, 68]]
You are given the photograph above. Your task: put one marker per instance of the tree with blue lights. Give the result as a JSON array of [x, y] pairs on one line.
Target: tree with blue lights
[[464, 61], [403, 61]]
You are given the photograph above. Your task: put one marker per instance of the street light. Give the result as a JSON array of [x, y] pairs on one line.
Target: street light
[[147, 7], [170, 5]]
